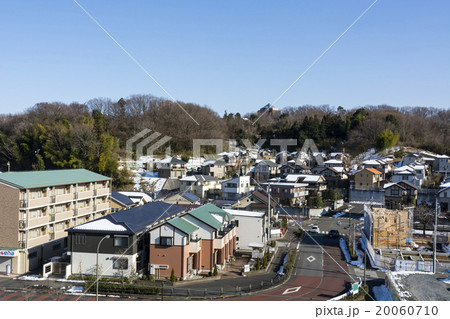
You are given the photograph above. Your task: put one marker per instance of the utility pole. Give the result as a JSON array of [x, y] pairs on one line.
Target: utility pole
[[365, 256], [268, 210], [435, 233]]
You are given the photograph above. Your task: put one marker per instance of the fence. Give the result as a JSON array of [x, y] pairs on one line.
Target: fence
[[166, 289]]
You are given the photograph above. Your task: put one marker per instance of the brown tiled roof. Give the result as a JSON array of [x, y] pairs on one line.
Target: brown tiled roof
[[373, 170]]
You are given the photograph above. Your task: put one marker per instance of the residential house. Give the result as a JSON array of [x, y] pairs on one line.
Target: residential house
[[333, 163], [378, 164], [203, 186], [294, 168], [236, 187], [126, 252], [316, 183], [368, 179], [264, 170], [172, 168], [214, 168], [265, 155], [252, 230], [442, 164], [400, 195], [335, 177], [413, 174], [182, 198], [411, 158], [193, 243], [37, 206], [138, 198], [120, 201], [256, 201], [444, 199], [291, 194]]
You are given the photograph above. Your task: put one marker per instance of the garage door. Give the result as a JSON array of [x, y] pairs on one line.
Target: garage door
[[3, 262]]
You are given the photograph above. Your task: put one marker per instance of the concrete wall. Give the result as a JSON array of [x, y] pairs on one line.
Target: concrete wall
[[250, 230], [85, 263], [365, 196], [9, 216]]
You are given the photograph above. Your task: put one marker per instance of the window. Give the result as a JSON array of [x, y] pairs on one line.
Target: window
[[166, 241], [80, 239], [56, 247], [120, 263], [120, 241], [394, 191], [35, 233]]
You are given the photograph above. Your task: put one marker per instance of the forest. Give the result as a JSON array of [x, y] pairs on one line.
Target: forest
[[93, 135]]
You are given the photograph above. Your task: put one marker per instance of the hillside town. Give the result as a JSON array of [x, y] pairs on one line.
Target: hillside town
[[231, 217]]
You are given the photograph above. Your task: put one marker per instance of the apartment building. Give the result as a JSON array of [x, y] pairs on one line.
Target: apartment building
[[290, 194], [38, 206]]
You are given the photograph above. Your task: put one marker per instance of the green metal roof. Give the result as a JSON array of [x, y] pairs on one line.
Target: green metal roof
[[33, 179], [206, 214], [183, 225]]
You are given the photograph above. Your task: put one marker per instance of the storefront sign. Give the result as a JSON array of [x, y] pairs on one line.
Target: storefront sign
[[7, 253]]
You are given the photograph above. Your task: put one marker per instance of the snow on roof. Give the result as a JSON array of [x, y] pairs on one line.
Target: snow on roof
[[101, 225], [307, 178], [191, 178], [388, 185], [289, 184], [137, 196], [333, 161], [244, 213]]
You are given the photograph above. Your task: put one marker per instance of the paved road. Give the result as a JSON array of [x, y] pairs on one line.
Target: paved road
[[319, 274]]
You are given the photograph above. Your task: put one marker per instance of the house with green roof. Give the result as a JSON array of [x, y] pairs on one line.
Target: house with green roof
[[36, 207], [192, 243]]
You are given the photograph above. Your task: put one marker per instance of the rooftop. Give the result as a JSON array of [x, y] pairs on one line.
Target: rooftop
[[133, 220], [34, 179]]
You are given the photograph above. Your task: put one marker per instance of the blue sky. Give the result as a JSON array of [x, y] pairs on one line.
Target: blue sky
[[229, 55]]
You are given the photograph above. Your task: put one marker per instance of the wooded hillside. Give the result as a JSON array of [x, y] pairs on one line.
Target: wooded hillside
[[93, 135]]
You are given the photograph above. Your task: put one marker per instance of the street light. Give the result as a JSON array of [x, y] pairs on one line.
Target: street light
[[98, 247]]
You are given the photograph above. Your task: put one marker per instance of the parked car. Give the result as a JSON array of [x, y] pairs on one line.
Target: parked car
[[314, 229], [333, 233]]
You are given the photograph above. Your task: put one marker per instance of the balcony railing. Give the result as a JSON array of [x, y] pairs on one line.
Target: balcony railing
[[195, 245], [22, 224]]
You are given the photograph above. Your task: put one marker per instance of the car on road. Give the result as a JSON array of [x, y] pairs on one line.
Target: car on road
[[333, 233], [314, 229]]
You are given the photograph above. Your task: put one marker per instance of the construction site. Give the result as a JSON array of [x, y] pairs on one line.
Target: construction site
[[390, 242]]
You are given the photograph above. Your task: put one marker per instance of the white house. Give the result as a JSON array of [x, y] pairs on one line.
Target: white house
[[252, 230], [236, 187]]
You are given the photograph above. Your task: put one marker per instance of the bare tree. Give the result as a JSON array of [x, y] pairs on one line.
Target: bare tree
[[425, 215]]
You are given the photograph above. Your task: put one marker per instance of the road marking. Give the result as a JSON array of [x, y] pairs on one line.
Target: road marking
[[310, 259], [291, 290]]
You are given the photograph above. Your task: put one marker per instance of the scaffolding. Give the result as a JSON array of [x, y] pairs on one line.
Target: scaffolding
[[390, 228]]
